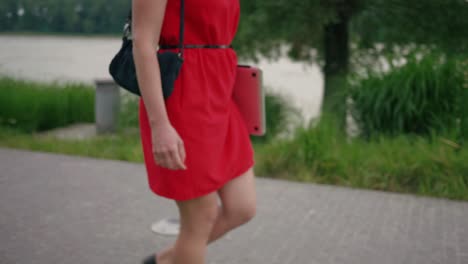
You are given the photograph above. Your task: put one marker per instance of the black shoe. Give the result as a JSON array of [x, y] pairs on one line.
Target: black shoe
[[151, 259]]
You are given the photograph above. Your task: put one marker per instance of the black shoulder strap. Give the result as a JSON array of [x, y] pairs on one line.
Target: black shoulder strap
[[181, 26], [181, 31]]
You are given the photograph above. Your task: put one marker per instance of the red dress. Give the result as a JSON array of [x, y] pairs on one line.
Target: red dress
[[201, 107]]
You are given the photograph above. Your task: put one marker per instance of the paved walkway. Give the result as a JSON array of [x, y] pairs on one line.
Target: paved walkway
[[74, 210]]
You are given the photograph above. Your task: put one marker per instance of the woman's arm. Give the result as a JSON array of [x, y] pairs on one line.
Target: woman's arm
[[147, 19]]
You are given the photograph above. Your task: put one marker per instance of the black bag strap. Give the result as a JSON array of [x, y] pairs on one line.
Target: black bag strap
[[181, 27]]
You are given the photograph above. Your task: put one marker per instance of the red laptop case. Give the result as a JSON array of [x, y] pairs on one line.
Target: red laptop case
[[249, 96]]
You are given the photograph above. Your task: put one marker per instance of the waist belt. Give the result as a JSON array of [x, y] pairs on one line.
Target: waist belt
[[210, 46]]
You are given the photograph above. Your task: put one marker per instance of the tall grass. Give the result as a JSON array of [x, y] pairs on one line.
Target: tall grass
[[434, 166], [422, 96], [30, 106]]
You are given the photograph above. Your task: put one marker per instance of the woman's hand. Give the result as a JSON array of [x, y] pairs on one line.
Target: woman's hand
[[168, 147]]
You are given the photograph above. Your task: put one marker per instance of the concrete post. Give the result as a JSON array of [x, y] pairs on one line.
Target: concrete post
[[107, 106]]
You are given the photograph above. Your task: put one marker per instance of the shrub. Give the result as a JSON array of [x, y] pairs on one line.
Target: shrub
[[417, 98]]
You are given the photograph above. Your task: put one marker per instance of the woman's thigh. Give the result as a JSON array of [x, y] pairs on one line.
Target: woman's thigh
[[238, 196]]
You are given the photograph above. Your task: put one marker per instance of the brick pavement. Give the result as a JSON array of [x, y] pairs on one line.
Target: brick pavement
[[68, 209]]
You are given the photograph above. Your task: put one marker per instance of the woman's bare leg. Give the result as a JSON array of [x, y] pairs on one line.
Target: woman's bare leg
[[238, 198], [239, 201], [197, 218]]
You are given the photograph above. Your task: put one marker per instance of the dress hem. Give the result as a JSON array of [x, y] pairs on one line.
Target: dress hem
[[215, 188]]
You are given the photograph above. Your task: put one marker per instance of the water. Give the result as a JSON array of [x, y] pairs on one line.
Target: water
[[84, 59]]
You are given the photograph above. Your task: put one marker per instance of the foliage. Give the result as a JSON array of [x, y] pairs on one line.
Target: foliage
[[31, 106], [321, 153], [266, 25], [419, 97], [439, 23]]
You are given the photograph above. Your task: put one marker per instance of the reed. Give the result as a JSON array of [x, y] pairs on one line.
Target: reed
[[32, 106]]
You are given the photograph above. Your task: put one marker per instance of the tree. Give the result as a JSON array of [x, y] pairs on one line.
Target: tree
[[437, 23], [307, 26], [329, 27]]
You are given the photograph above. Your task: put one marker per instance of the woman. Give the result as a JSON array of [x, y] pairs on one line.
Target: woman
[[196, 145]]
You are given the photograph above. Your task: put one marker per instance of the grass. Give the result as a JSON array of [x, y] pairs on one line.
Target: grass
[[123, 146], [433, 166]]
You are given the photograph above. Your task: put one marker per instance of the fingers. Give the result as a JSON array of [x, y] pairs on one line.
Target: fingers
[[176, 159], [181, 148], [171, 158], [160, 158]]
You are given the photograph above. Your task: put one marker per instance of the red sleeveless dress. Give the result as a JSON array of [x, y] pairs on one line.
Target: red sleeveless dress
[[201, 107]]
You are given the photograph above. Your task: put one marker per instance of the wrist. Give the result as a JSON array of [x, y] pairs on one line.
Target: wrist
[[159, 123]]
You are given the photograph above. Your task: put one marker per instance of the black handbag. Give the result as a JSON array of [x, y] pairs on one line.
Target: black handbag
[[122, 67]]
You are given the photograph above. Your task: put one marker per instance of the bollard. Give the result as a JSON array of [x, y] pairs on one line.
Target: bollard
[[107, 106]]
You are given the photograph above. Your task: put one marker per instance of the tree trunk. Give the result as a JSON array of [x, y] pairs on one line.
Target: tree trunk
[[336, 51], [464, 116]]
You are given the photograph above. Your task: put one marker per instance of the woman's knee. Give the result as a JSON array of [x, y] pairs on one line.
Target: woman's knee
[[239, 199], [207, 214], [199, 214], [240, 215]]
